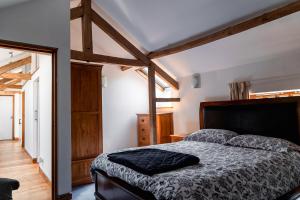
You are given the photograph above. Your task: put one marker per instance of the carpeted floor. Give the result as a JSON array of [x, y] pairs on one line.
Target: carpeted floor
[[85, 192]]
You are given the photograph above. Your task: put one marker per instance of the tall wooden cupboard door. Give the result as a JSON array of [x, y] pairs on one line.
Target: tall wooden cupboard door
[[86, 120]]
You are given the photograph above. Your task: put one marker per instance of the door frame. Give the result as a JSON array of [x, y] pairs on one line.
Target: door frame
[[13, 115], [23, 119], [36, 100], [53, 52]]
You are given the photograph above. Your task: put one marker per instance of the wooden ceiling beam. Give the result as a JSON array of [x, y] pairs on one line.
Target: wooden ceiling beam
[[15, 64], [5, 80], [76, 13], [167, 99], [122, 41], [165, 76], [13, 82], [117, 37], [89, 57], [232, 29], [152, 105], [124, 68], [87, 35], [9, 92], [16, 76], [145, 76], [10, 86]]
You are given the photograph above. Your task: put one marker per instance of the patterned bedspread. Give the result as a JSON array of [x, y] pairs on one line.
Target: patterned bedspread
[[224, 172]]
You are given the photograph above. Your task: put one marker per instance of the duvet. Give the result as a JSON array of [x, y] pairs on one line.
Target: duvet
[[224, 172]]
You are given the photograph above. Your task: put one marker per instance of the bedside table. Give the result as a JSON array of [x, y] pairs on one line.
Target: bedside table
[[177, 138]]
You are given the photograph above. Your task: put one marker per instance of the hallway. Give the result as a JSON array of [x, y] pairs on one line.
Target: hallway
[[16, 164]]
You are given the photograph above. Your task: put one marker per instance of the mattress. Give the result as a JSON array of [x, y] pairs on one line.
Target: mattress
[[224, 172]]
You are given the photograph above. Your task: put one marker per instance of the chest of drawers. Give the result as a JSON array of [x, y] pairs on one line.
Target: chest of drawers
[[164, 128]]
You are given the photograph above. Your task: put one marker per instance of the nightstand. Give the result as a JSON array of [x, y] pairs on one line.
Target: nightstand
[[177, 138]]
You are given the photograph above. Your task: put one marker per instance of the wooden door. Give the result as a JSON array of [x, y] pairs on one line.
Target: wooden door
[[6, 117], [86, 120], [165, 127]]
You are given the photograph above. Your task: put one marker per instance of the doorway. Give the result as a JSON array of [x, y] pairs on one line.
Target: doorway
[[36, 117], [14, 82]]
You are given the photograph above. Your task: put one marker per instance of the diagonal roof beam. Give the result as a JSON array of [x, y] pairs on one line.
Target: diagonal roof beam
[[15, 64], [90, 57], [16, 76], [124, 68], [13, 82], [5, 80], [232, 29], [122, 41], [10, 86]]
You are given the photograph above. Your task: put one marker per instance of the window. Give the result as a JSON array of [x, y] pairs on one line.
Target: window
[[163, 89], [275, 94]]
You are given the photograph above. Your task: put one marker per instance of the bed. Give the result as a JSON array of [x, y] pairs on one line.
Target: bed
[[224, 172]]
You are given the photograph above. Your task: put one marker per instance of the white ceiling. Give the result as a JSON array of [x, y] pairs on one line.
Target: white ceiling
[[257, 44], [157, 23], [5, 56], [154, 24], [6, 3]]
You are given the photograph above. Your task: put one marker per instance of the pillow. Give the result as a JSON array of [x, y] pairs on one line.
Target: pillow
[[219, 136], [263, 142]]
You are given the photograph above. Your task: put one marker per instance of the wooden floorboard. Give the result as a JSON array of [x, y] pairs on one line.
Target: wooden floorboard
[[16, 164]]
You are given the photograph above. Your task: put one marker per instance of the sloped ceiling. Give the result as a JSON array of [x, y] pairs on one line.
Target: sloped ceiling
[[257, 44], [155, 24], [5, 55], [6, 3]]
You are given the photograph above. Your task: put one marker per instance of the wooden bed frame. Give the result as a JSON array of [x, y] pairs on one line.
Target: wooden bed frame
[[272, 117]]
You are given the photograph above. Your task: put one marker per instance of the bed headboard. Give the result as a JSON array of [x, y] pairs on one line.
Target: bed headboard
[[277, 117]]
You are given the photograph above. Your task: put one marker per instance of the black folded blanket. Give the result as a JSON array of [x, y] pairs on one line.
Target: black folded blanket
[[153, 161]]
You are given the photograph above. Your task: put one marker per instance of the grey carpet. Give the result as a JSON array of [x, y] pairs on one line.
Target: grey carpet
[[85, 192]]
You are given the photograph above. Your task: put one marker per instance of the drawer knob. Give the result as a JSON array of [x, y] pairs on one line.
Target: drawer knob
[[143, 120], [143, 129]]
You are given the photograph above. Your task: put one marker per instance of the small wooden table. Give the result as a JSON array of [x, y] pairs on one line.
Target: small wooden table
[[177, 138]]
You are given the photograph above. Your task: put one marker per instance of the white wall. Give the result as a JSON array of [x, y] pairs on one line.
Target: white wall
[[45, 106], [125, 96], [45, 22], [280, 73], [43, 74]]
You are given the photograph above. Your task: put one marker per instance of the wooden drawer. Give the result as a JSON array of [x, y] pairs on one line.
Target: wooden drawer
[[144, 140], [164, 128], [143, 120], [143, 130]]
